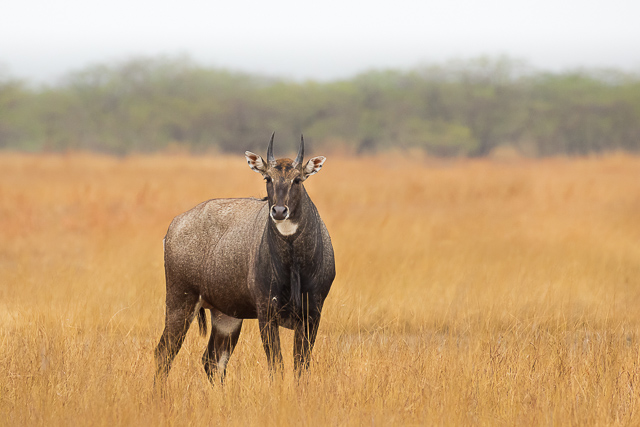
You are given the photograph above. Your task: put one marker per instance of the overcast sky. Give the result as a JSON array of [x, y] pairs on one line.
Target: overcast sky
[[41, 40]]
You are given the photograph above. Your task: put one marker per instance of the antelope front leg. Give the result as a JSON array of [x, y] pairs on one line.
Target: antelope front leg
[[271, 341], [306, 330]]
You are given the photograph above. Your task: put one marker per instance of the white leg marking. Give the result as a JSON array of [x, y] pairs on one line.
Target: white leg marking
[[222, 362]]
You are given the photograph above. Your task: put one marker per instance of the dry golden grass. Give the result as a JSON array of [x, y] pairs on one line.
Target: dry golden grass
[[470, 292]]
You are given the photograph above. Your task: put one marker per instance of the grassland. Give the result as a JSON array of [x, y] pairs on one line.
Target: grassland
[[469, 292]]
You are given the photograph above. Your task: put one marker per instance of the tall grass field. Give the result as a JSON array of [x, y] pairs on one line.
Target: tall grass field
[[468, 292]]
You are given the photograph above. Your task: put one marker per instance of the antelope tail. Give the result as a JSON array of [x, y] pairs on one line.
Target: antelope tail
[[202, 321]]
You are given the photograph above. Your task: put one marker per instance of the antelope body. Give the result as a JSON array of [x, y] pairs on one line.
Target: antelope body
[[269, 259]]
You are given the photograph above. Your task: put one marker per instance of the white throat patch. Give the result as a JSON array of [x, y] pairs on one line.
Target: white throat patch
[[286, 227]]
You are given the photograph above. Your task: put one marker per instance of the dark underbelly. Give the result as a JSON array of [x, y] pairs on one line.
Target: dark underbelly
[[232, 299], [248, 311], [237, 309]]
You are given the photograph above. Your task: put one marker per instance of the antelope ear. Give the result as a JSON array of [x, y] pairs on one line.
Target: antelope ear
[[313, 166], [255, 162]]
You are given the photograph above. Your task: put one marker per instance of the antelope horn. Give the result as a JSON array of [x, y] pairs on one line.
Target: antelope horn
[[270, 157], [300, 156]]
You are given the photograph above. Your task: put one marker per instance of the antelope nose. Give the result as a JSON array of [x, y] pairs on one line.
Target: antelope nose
[[279, 213]]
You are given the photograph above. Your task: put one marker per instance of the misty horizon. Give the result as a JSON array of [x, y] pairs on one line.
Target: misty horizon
[[42, 41], [35, 74]]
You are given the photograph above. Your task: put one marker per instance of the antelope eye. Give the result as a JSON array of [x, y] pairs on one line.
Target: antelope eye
[[297, 180], [267, 178]]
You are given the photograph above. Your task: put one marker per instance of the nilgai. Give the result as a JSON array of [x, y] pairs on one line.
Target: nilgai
[[269, 259]]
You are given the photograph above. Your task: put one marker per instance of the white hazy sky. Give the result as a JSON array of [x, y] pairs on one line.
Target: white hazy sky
[[40, 40]]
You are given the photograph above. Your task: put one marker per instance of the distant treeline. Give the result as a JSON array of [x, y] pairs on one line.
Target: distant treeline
[[461, 108]]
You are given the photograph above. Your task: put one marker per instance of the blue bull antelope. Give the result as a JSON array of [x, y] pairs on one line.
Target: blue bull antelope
[[269, 259]]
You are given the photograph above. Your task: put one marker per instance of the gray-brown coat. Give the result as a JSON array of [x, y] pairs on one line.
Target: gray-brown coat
[[269, 259]]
